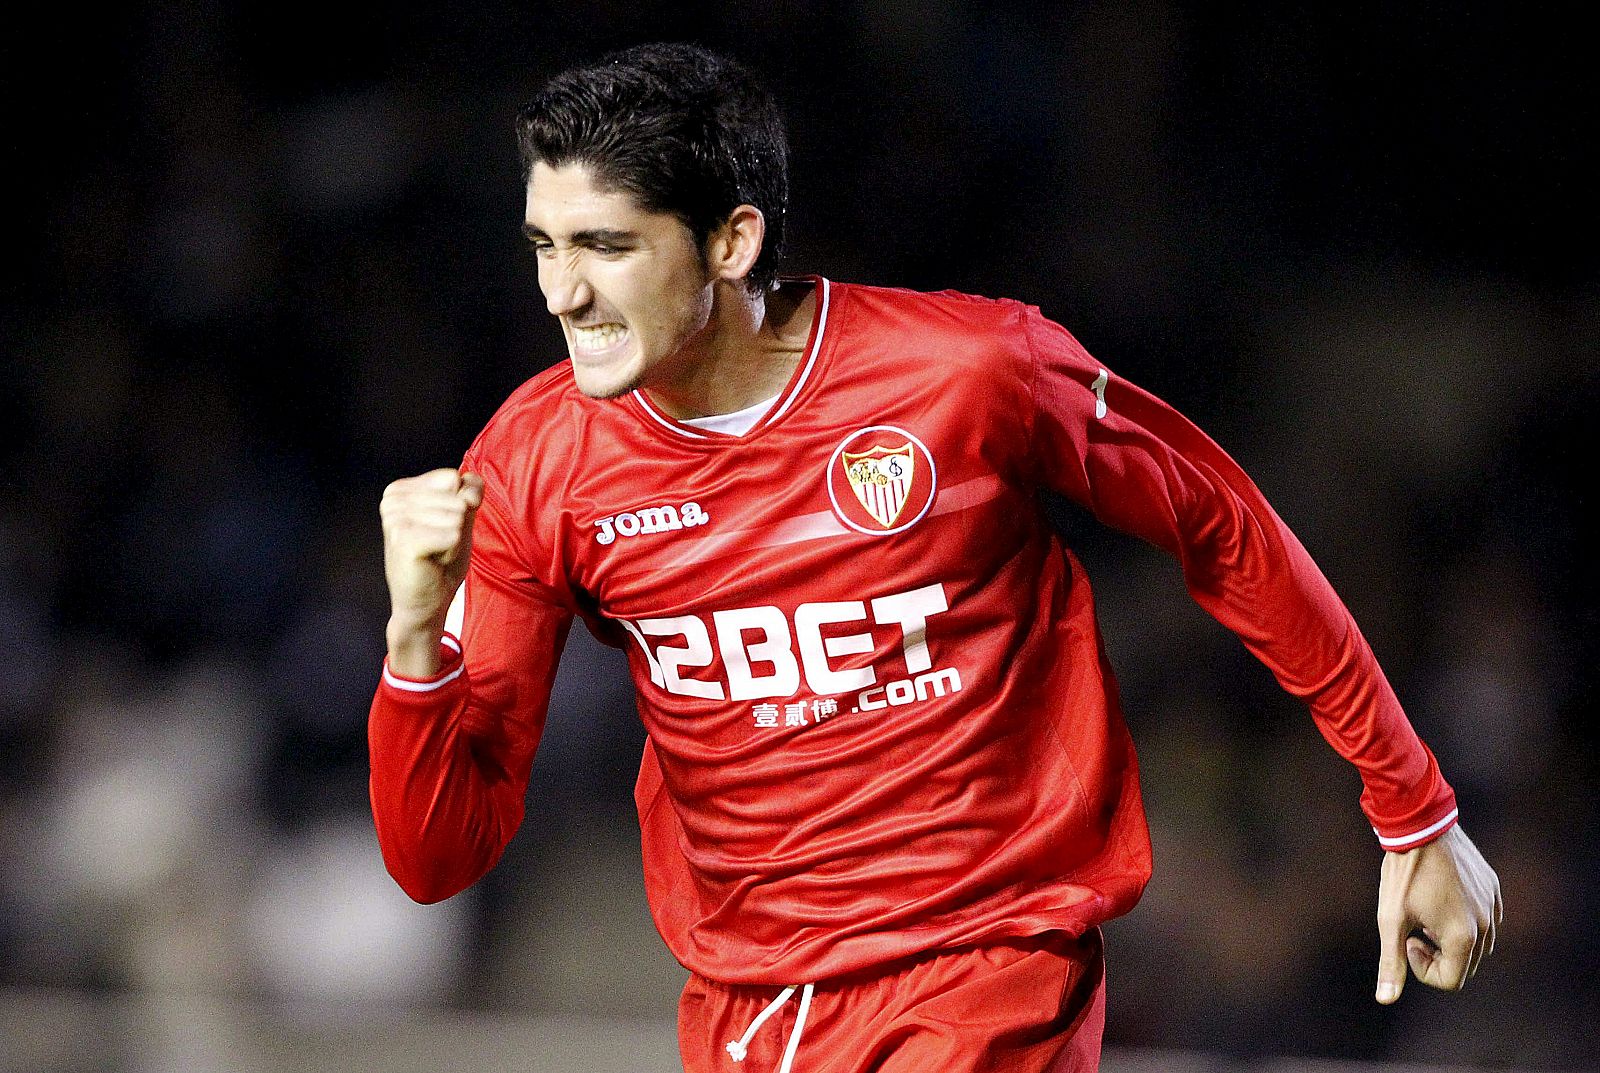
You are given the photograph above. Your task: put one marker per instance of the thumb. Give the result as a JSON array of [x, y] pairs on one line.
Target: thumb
[[471, 490], [1391, 961]]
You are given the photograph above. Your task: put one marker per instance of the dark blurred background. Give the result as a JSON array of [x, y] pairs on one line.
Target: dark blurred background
[[269, 259]]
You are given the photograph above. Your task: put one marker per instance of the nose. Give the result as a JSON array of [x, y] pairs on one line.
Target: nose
[[565, 289]]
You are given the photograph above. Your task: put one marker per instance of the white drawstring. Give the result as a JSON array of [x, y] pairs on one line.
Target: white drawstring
[[799, 1026], [739, 1048]]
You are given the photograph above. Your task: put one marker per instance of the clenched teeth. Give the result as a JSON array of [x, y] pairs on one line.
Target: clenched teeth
[[600, 337]]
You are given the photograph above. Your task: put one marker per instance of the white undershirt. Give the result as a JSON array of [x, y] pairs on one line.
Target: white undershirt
[[735, 424]]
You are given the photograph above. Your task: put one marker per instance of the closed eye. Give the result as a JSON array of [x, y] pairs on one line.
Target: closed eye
[[606, 242]]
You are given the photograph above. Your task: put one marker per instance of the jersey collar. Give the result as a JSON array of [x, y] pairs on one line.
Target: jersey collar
[[786, 399]]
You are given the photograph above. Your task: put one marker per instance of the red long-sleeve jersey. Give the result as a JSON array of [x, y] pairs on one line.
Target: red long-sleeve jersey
[[880, 716]]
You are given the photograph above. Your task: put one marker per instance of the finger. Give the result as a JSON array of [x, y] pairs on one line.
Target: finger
[[416, 498], [449, 513], [1500, 915], [1496, 914], [429, 542], [445, 478], [1480, 947], [1391, 958], [472, 490], [424, 537]]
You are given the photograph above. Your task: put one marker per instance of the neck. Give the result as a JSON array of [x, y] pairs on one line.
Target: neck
[[746, 353]]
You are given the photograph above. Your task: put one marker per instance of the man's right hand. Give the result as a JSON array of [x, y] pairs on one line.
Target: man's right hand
[[427, 543]]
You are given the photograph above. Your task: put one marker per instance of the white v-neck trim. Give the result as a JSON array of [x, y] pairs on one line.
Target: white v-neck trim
[[737, 423], [775, 408]]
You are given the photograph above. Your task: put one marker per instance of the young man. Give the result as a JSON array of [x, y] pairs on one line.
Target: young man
[[887, 796]]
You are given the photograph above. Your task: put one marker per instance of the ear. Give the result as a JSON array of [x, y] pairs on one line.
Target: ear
[[732, 249]]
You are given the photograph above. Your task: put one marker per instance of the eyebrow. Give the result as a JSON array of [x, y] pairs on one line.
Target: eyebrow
[[602, 236]]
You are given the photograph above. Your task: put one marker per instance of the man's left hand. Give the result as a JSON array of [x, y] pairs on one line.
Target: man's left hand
[[1446, 890]]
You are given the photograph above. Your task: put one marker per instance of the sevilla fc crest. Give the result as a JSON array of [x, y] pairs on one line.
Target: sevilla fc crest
[[881, 480]]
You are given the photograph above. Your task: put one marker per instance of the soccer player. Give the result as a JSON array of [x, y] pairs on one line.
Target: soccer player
[[887, 796]]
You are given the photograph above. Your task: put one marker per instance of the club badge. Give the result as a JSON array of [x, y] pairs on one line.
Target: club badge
[[881, 480]]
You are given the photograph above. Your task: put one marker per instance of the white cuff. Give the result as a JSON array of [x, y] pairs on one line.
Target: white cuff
[[1432, 828], [413, 686]]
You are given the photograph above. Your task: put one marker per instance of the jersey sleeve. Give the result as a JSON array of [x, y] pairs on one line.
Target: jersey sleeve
[[1141, 467], [450, 755]]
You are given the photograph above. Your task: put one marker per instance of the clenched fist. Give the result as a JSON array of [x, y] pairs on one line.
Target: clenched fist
[[427, 544], [1447, 890]]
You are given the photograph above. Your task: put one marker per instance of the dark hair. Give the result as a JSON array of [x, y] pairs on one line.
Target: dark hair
[[682, 129]]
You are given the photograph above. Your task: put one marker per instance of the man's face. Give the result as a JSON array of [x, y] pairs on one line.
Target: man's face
[[629, 286]]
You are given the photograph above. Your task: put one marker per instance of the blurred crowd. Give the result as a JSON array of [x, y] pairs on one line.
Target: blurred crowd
[[271, 261]]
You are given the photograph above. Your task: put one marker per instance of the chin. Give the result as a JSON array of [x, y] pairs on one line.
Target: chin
[[596, 384]]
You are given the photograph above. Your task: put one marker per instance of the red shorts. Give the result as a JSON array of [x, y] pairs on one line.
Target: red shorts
[[1034, 1005]]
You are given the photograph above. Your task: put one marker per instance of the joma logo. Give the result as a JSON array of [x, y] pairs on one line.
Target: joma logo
[[650, 520]]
